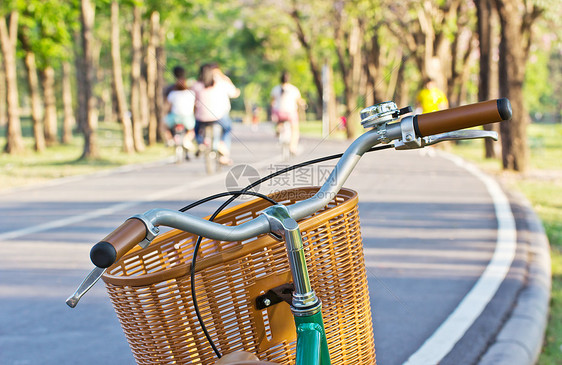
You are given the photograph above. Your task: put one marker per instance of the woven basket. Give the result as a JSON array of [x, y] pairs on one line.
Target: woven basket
[[150, 289]]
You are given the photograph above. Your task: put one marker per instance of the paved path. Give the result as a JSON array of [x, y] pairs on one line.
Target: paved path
[[429, 226]]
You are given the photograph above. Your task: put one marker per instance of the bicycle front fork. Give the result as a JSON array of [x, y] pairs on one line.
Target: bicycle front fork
[[312, 347]]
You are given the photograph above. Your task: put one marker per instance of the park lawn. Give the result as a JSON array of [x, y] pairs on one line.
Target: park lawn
[[313, 128], [542, 185], [59, 161]]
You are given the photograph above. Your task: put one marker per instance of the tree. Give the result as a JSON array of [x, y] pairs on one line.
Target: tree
[[151, 76], [44, 36], [426, 29], [484, 10], [34, 90], [348, 42], [516, 19], [306, 44], [118, 88], [50, 115], [68, 112], [8, 39], [89, 108], [2, 94], [136, 59]]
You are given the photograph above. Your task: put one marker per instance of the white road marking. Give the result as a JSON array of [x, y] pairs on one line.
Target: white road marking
[[442, 341], [118, 207]]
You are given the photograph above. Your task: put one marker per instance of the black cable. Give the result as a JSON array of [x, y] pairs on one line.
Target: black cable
[[277, 173], [234, 195], [223, 194]]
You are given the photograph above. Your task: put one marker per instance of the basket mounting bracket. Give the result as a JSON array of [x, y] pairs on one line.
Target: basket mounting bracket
[[282, 293]]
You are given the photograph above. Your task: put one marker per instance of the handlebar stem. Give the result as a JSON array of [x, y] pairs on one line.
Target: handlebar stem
[[305, 302]]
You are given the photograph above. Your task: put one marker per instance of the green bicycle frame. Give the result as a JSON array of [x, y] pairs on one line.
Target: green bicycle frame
[[312, 347]]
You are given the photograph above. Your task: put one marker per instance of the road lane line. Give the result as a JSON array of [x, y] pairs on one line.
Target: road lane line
[[120, 206], [442, 341]]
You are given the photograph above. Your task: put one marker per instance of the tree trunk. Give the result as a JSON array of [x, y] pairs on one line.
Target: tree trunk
[[91, 148], [514, 48], [144, 107], [50, 116], [484, 13], [34, 90], [3, 118], [68, 121], [136, 40], [348, 50], [119, 90], [8, 39], [401, 94], [151, 75], [332, 107], [397, 70], [376, 89], [160, 69], [106, 98], [82, 104], [35, 96]]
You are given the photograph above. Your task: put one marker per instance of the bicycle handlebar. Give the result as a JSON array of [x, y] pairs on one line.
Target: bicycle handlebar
[[136, 229], [462, 117], [118, 242]]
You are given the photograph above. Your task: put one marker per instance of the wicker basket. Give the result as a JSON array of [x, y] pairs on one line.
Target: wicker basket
[[150, 290]]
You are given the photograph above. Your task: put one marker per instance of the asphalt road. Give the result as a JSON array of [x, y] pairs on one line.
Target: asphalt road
[[429, 229]]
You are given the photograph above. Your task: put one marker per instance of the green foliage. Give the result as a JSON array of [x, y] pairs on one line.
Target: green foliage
[[541, 80], [48, 26]]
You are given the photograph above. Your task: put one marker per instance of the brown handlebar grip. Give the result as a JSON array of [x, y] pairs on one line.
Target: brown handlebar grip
[[118, 243], [462, 117]]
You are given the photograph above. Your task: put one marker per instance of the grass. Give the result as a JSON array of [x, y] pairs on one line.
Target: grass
[[313, 128], [59, 161], [542, 185]]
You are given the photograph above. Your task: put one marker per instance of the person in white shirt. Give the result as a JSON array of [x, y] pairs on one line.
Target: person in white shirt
[[181, 106], [285, 102]]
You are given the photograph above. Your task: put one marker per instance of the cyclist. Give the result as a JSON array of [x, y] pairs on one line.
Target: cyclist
[[285, 101], [181, 103], [213, 92]]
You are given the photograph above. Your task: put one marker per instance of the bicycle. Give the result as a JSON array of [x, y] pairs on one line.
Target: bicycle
[[284, 138], [148, 283], [180, 145], [211, 132]]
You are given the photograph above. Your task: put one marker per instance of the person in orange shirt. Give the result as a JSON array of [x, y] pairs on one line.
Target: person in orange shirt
[[431, 98]]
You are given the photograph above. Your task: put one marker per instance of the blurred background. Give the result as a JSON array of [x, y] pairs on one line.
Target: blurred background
[[81, 82]]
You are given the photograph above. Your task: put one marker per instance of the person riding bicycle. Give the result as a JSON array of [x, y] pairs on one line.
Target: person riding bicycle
[[285, 101], [213, 92], [181, 104]]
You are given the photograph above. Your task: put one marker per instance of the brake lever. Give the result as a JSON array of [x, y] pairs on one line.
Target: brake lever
[[86, 285], [448, 136], [460, 135]]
